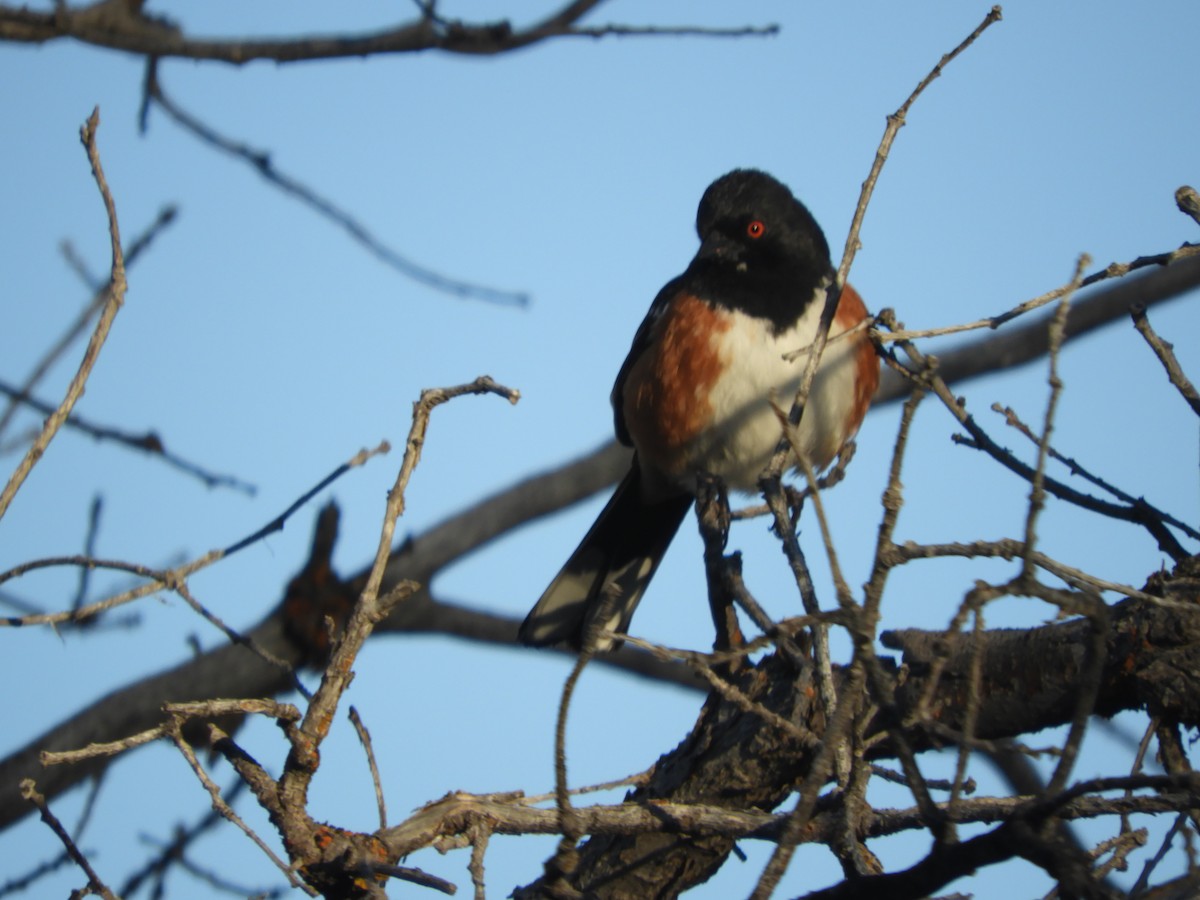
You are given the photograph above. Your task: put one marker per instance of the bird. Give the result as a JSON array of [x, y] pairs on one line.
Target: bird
[[694, 395]]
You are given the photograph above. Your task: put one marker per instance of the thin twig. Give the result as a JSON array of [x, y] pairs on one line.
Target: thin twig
[[214, 880], [508, 817], [18, 884], [114, 298], [1037, 496], [892, 501], [881, 685], [95, 884], [219, 804], [974, 697], [840, 723], [278, 522], [89, 550], [1010, 548], [236, 637], [77, 264], [1166, 355], [364, 738], [149, 442], [1121, 846], [894, 123], [172, 850], [735, 696], [1014, 421], [980, 440], [158, 580], [371, 607], [788, 627], [991, 323], [772, 490], [1012, 347], [785, 531], [261, 162], [109, 748], [1152, 864], [1089, 676], [135, 249], [415, 876], [177, 713], [563, 862], [842, 589]]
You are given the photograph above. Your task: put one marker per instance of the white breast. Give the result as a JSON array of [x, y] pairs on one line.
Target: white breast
[[744, 429]]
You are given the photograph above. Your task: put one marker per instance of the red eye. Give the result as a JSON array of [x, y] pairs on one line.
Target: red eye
[[755, 230]]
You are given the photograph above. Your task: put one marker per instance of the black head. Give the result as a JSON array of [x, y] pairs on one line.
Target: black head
[[761, 251]]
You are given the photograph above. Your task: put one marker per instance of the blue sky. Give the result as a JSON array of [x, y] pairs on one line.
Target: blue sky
[[259, 340]]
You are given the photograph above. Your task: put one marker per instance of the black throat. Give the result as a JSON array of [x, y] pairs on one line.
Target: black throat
[[780, 294]]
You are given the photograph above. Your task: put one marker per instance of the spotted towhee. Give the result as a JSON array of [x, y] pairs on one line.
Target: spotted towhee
[[694, 395]]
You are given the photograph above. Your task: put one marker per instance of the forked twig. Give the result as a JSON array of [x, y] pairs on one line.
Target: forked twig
[[136, 247], [157, 580], [991, 323], [219, 804], [1014, 421], [371, 607], [1166, 355]]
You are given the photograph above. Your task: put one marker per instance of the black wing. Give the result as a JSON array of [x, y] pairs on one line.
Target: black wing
[[640, 341]]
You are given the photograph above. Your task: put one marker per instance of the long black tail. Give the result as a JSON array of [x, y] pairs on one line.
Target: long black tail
[[602, 582]]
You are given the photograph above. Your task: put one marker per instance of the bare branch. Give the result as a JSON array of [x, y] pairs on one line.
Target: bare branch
[[416, 876], [1037, 496], [364, 738], [95, 885], [149, 442], [455, 813], [171, 579], [261, 162], [979, 439], [1014, 421], [116, 25], [895, 122], [219, 804], [278, 522], [1166, 355], [371, 608], [135, 249], [1012, 347], [114, 298]]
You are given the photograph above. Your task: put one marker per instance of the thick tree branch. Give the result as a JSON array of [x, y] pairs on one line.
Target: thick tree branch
[[1030, 680], [438, 824]]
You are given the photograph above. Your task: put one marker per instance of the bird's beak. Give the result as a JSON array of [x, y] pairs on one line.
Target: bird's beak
[[717, 246]]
